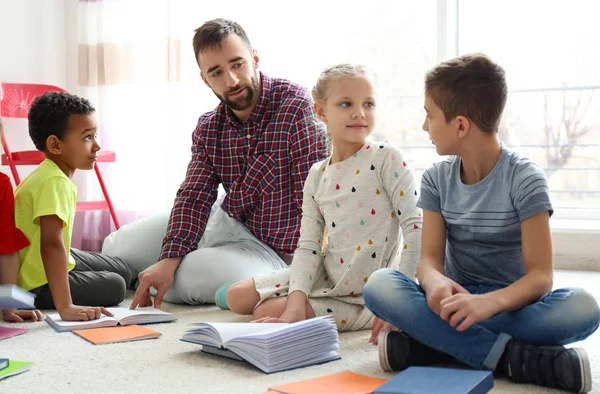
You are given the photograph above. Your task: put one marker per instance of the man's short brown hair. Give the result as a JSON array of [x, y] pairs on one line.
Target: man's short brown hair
[[212, 33], [469, 85]]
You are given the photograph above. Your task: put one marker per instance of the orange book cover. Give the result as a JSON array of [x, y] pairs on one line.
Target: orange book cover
[[117, 334], [346, 382]]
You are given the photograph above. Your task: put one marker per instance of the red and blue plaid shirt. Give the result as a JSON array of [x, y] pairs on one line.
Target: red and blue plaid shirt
[[262, 164]]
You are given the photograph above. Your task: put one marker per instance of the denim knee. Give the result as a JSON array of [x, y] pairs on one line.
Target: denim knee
[[584, 311], [384, 289], [573, 315]]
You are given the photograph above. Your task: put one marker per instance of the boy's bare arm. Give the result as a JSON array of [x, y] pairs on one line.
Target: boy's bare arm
[[537, 255], [9, 268], [55, 259], [433, 246], [430, 272]]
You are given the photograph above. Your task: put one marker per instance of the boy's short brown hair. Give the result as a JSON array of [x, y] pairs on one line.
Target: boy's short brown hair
[[469, 85]]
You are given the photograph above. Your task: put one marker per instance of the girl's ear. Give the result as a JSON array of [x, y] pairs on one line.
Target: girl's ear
[[320, 111]]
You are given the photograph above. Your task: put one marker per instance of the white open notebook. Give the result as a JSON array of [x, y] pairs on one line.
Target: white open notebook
[[122, 316], [271, 347]]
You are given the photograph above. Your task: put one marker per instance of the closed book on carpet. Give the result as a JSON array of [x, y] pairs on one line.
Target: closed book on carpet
[[345, 382], [13, 297], [15, 368], [270, 347], [430, 380], [122, 316], [7, 332], [133, 332]]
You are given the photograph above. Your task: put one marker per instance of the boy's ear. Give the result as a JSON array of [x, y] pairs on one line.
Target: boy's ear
[[53, 145], [463, 126], [319, 110]]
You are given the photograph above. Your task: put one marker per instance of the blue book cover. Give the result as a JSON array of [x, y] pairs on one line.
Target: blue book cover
[[3, 363], [430, 380], [12, 296]]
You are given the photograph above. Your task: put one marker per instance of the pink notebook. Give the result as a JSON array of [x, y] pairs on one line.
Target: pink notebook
[[7, 332]]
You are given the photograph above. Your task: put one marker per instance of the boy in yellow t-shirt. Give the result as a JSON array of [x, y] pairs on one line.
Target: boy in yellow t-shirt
[[63, 127]]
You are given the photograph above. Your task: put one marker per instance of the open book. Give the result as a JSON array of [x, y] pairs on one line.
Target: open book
[[122, 316], [13, 297], [271, 347]]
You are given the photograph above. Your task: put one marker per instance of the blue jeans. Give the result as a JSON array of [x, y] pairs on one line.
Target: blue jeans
[[560, 317]]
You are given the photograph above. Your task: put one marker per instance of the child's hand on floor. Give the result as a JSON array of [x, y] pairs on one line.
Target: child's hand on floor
[[19, 316], [290, 315], [380, 326], [82, 313]]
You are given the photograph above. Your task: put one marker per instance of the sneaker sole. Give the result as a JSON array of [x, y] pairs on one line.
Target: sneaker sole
[[382, 350], [584, 365]]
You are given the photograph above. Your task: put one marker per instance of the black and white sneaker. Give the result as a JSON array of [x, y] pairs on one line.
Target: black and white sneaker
[[550, 366], [398, 351]]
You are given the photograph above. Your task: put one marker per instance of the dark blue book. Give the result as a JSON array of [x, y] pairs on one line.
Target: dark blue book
[[429, 380]]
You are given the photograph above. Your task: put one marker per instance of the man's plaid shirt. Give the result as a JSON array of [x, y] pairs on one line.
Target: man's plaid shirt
[[262, 164]]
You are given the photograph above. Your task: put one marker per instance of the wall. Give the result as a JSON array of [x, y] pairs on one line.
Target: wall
[[38, 44]]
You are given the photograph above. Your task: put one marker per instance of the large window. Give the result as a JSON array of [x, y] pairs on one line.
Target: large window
[[549, 50]]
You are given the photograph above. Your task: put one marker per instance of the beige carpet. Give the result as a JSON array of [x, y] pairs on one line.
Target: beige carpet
[[65, 363]]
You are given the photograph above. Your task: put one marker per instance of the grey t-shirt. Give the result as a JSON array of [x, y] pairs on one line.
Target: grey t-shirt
[[483, 221]]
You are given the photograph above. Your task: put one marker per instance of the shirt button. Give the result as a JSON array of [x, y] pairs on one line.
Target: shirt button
[[248, 136], [231, 214], [230, 190]]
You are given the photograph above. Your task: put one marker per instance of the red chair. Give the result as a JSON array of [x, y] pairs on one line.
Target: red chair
[[15, 101]]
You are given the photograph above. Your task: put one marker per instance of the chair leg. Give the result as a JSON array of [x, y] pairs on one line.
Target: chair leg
[[11, 163], [111, 208]]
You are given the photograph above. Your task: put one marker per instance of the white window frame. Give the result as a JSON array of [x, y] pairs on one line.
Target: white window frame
[[575, 232]]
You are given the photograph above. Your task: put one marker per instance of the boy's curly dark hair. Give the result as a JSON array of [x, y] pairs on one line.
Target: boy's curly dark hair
[[49, 115]]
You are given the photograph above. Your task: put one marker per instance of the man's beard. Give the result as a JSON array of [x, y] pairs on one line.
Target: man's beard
[[242, 103]]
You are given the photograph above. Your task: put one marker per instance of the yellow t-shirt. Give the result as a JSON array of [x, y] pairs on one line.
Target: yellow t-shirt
[[46, 191]]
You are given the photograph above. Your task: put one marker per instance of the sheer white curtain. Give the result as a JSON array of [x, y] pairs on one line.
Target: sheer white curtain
[[136, 63]]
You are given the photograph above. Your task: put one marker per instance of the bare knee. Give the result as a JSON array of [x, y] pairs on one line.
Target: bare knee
[[273, 307], [242, 297]]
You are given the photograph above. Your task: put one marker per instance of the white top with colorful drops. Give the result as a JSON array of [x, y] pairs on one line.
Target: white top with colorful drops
[[363, 202]]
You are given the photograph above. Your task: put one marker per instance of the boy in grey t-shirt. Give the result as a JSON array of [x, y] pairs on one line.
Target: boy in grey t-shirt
[[485, 275]]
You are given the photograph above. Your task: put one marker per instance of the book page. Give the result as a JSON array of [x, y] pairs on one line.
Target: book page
[[229, 331], [62, 323], [121, 313]]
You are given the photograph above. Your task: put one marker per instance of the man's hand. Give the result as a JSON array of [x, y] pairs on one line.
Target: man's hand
[[82, 313], [159, 276], [379, 326], [463, 310], [441, 290], [19, 316]]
